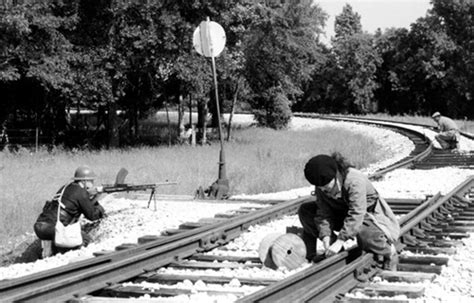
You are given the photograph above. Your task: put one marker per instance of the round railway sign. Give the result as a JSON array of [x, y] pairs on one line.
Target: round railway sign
[[209, 39]]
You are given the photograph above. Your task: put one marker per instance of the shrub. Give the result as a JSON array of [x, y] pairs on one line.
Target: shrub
[[276, 112]]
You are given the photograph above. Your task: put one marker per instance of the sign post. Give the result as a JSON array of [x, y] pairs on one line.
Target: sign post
[[209, 40]]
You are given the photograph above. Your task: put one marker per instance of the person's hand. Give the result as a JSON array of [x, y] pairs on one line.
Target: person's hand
[[95, 198], [95, 190], [334, 248], [349, 244]]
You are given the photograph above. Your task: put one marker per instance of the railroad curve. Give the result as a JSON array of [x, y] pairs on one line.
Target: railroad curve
[[103, 274]]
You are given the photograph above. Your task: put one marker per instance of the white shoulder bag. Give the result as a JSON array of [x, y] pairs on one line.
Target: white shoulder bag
[[66, 236]]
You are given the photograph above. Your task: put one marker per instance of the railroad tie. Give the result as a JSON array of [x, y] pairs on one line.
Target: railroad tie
[[133, 291], [176, 278], [212, 265], [148, 238], [125, 246], [372, 290]]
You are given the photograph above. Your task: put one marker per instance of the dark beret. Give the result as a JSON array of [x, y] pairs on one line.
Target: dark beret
[[320, 170]]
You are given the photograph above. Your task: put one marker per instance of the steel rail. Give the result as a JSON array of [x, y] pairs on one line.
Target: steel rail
[[318, 283], [418, 210], [323, 281], [407, 162], [74, 280], [431, 127], [433, 205]]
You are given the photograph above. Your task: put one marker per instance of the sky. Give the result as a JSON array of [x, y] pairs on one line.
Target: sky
[[376, 13]]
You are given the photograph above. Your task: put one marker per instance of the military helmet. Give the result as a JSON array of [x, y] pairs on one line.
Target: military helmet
[[436, 114], [84, 173]]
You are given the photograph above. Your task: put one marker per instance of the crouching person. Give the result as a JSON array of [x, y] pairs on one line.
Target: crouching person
[[448, 136], [347, 202], [73, 200]]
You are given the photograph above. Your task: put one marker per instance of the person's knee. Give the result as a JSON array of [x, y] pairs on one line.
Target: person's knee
[[305, 210], [374, 242], [306, 213], [302, 210], [371, 236], [44, 231]]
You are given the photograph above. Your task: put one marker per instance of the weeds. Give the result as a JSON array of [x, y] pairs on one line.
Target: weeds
[[257, 161]]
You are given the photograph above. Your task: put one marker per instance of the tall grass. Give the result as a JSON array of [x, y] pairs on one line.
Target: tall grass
[[257, 161]]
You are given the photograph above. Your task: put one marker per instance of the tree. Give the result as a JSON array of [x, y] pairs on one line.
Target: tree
[[34, 67], [325, 92], [95, 20], [455, 18], [347, 23], [191, 74], [430, 67], [282, 49], [393, 94], [418, 75], [356, 60]]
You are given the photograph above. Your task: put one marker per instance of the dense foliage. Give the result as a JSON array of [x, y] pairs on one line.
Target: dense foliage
[[134, 57]]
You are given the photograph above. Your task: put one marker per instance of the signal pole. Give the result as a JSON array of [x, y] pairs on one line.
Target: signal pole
[[209, 40]]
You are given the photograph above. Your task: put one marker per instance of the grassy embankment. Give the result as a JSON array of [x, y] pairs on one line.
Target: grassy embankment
[[257, 161]]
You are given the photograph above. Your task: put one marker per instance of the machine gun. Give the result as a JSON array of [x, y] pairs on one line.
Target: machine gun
[[121, 186]]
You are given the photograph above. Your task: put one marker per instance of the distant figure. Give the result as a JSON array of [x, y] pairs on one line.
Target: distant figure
[[4, 136], [75, 201], [347, 203], [188, 136], [448, 136]]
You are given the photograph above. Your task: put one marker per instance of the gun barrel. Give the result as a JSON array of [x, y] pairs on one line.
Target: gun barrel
[[129, 187]]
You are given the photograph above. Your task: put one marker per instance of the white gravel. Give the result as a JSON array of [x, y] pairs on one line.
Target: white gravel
[[129, 219]]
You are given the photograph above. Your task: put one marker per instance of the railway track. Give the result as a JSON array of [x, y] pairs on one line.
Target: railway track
[[184, 247], [424, 156], [423, 231]]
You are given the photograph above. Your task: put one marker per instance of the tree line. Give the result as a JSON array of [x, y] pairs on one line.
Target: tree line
[[136, 57]]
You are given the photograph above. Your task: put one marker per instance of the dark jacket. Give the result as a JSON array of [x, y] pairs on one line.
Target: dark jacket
[[359, 201], [76, 201]]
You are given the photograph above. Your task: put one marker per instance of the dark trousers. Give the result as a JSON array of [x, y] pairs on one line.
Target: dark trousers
[[46, 231], [370, 237]]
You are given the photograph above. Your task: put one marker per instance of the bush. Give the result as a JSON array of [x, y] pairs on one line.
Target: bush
[[276, 112]]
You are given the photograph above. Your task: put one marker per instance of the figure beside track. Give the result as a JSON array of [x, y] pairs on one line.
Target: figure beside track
[[448, 136], [74, 199], [347, 203]]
